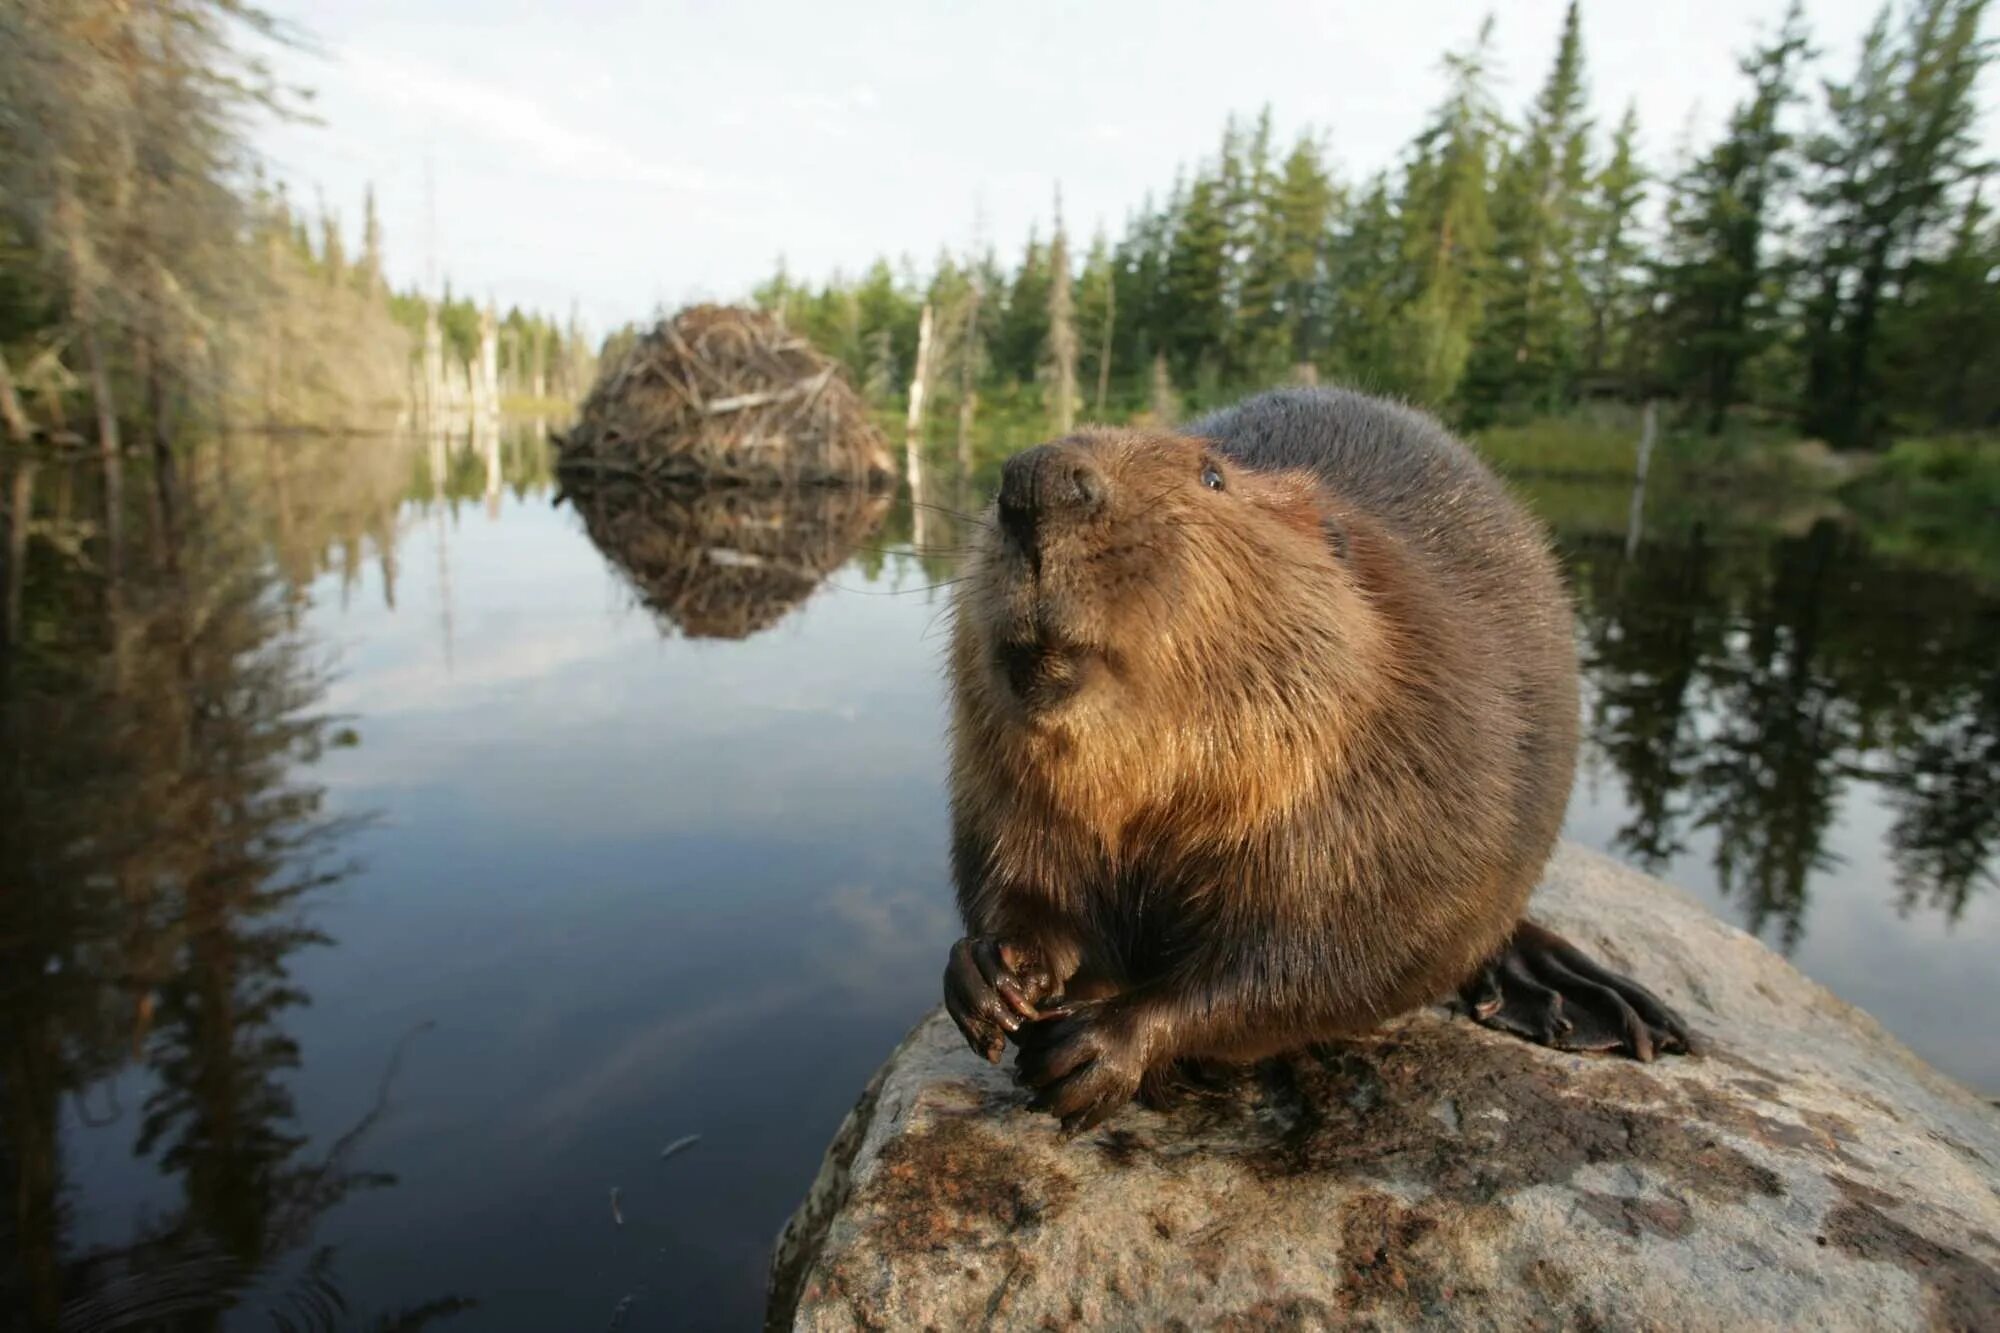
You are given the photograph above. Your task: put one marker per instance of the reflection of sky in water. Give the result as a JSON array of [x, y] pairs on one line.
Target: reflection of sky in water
[[1920, 974], [647, 887]]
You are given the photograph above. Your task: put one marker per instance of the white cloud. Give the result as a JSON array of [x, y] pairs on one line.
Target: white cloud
[[511, 119]]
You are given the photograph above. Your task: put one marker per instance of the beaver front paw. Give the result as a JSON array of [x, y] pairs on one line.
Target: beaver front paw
[[990, 988], [1084, 1061]]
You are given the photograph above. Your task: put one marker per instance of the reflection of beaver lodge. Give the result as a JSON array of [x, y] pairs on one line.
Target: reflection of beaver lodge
[[725, 563], [721, 395]]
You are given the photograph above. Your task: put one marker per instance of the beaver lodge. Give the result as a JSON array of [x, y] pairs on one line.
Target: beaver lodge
[[726, 562], [719, 395]]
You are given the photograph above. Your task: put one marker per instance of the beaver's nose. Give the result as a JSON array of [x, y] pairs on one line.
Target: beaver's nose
[[1047, 484]]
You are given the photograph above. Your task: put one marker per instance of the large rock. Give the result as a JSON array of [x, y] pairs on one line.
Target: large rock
[[1809, 1171]]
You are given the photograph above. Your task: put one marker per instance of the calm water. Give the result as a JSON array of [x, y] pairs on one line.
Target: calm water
[[392, 873]]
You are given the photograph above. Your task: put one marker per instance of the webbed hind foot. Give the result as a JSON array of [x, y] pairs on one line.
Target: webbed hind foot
[[1542, 987]]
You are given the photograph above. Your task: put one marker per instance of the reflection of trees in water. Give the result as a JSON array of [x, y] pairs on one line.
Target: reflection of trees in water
[[726, 562], [334, 505], [155, 714], [1739, 686], [1766, 782], [1643, 676], [1947, 794], [935, 528]]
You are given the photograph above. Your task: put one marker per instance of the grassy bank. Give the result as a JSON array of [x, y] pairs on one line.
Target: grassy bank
[[1936, 501]]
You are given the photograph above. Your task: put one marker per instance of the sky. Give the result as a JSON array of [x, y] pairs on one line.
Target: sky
[[621, 156]]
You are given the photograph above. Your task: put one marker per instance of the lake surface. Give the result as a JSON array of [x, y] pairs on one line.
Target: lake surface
[[397, 862]]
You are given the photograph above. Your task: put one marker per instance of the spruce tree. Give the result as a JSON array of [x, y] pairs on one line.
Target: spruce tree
[[1535, 310], [1719, 306], [1024, 324], [1900, 141], [1612, 279], [1097, 317], [1193, 299], [1367, 286], [1941, 359], [1283, 312], [1255, 301], [1139, 274], [1447, 232]]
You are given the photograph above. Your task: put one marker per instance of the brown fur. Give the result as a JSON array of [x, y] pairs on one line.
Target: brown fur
[[1296, 751]]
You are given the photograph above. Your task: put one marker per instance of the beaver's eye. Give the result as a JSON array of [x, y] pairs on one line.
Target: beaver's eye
[[1211, 476]]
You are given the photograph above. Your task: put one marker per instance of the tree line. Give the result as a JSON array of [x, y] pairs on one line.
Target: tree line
[[151, 279], [1830, 263]]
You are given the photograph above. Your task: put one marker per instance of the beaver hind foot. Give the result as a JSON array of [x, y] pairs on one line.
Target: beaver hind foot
[[1542, 987]]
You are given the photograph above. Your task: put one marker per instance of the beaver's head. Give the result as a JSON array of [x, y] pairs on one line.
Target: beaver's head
[[1129, 580]]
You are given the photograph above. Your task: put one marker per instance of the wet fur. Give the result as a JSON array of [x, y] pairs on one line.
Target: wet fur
[[1323, 740]]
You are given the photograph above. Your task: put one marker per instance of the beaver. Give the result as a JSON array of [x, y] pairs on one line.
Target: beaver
[[1261, 734]]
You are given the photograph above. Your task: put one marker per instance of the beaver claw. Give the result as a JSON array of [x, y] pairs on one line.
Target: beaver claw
[[1542, 987], [1082, 1062], [991, 988]]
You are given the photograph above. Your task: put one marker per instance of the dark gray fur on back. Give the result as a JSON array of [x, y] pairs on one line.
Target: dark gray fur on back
[[1491, 557]]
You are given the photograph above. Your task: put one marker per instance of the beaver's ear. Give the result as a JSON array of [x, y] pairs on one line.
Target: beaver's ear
[[1336, 535], [1301, 501]]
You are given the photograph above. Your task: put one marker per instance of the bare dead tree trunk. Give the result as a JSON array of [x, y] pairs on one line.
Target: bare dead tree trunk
[[486, 435], [114, 552], [434, 386], [913, 427], [1062, 336], [166, 483], [112, 454], [11, 415], [385, 554], [100, 394], [968, 379], [1104, 343], [19, 513], [486, 375], [1636, 516], [1165, 406]]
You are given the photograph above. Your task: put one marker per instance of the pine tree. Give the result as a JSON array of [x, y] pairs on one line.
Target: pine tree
[[1942, 345], [1281, 316], [1901, 139], [1447, 232], [1612, 280], [1194, 314], [1535, 313], [1097, 317], [1024, 325], [1254, 303], [1139, 278], [887, 309], [1368, 284], [1719, 308]]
